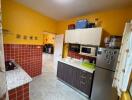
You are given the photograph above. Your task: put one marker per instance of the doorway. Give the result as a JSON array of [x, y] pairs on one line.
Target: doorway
[[52, 51], [48, 51]]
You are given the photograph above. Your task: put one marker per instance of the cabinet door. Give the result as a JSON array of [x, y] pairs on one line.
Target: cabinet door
[[65, 72], [90, 83], [91, 36], [83, 81], [60, 71], [86, 82], [69, 74], [76, 78], [72, 36]]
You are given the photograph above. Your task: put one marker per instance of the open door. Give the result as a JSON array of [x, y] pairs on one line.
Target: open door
[[58, 49]]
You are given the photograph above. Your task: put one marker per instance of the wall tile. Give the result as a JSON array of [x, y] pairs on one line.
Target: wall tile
[[19, 93], [78, 56], [28, 56]]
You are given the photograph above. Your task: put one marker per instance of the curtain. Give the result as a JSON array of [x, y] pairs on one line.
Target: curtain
[[124, 63]]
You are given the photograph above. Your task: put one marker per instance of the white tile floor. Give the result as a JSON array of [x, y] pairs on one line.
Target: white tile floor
[[48, 87]]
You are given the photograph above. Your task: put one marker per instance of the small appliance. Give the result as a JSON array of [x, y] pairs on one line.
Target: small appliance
[[74, 47], [9, 65], [88, 51], [91, 25], [80, 24], [48, 48], [71, 26]]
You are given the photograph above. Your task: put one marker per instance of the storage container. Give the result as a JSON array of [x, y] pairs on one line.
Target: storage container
[[80, 24], [71, 26], [91, 25]]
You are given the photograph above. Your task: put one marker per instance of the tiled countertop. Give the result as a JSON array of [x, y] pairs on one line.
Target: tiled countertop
[[17, 77], [76, 63]]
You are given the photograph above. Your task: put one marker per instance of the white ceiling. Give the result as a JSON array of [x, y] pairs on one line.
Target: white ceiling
[[66, 9]]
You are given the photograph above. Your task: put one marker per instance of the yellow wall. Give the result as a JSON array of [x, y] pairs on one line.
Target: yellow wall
[[19, 19], [113, 22], [37, 39], [48, 38]]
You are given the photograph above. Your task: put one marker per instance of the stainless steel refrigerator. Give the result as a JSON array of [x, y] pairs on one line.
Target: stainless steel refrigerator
[[104, 73]]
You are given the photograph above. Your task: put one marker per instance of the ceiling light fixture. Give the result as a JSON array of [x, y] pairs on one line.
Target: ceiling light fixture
[[64, 1]]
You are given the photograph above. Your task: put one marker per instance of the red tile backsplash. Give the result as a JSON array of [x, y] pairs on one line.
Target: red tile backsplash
[[78, 56], [28, 56], [19, 93]]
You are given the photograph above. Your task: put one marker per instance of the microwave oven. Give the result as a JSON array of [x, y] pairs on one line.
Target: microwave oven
[[88, 51]]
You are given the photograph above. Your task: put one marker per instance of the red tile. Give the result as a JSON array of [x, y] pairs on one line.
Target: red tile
[[26, 90], [78, 56], [26, 85], [25, 55], [26, 94], [19, 88], [12, 91], [20, 98], [12, 96], [20, 93], [26, 98]]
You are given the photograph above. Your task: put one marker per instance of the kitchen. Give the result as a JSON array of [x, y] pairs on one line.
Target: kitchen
[[83, 75], [88, 53]]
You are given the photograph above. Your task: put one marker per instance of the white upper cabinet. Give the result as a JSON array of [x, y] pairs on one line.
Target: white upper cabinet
[[89, 36], [72, 36]]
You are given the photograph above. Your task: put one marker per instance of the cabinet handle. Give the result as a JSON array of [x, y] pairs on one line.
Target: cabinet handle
[[83, 83], [84, 72], [90, 78], [83, 76]]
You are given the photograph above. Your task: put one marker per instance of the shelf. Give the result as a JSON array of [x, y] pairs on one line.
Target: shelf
[[87, 55]]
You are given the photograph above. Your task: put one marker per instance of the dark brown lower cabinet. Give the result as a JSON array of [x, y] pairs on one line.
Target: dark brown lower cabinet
[[79, 79]]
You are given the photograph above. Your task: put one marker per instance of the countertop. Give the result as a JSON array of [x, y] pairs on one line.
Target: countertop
[[76, 63], [17, 77]]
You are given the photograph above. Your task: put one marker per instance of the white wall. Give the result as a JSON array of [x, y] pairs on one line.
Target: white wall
[[3, 86]]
